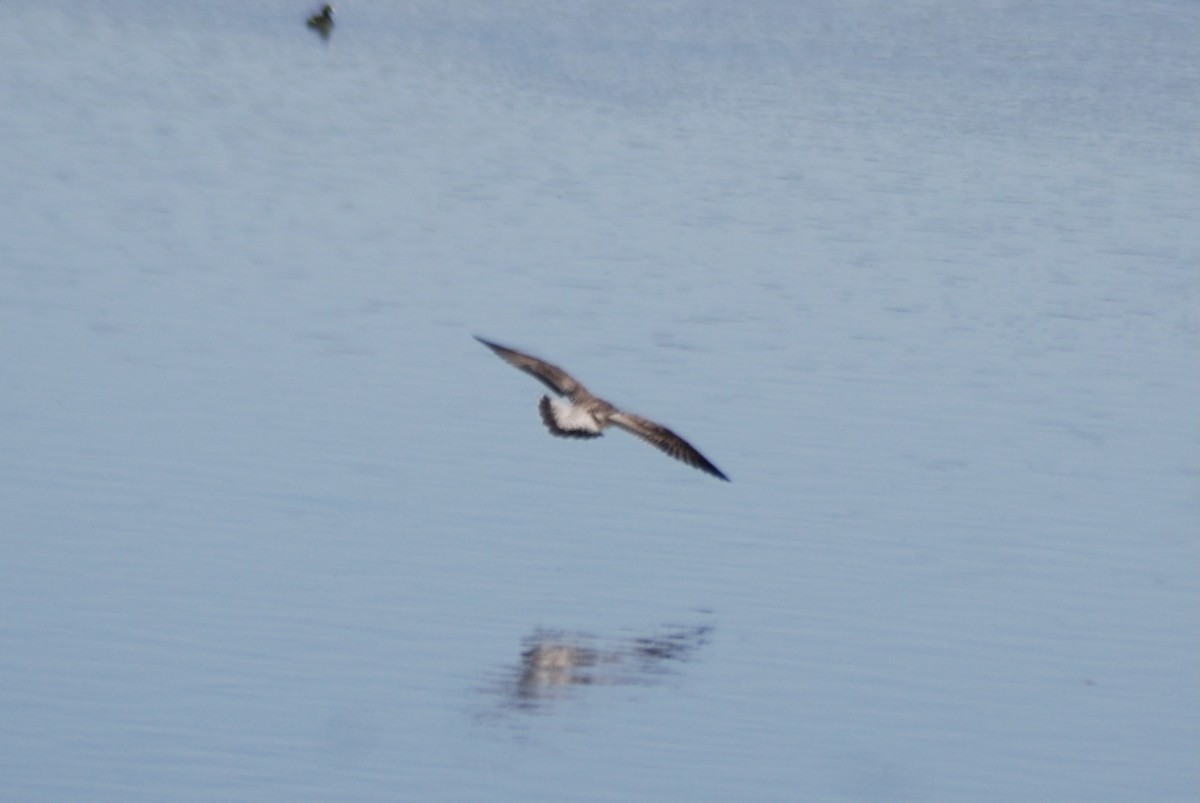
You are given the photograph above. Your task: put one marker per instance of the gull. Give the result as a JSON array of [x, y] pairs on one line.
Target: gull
[[586, 415]]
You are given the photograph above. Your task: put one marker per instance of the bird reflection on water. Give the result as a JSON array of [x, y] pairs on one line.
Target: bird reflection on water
[[554, 664]]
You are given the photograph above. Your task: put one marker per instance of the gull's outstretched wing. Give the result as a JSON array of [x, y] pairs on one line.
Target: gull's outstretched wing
[[666, 440], [549, 374]]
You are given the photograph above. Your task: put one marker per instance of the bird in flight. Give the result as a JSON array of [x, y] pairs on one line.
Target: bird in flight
[[585, 415]]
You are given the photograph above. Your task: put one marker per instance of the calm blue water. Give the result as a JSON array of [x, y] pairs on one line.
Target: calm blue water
[[922, 279]]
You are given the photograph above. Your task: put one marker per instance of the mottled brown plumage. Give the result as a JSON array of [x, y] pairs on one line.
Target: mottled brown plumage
[[587, 415]]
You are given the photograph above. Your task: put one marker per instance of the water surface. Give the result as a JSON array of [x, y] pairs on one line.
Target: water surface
[[275, 527]]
